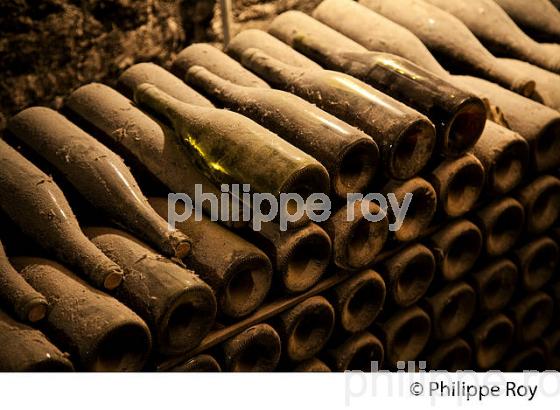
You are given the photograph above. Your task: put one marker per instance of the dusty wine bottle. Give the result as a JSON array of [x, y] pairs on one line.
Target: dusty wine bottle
[[356, 241], [491, 340], [501, 224], [541, 200], [456, 248], [306, 328], [459, 116], [358, 300], [17, 295], [531, 358], [458, 183], [497, 31], [405, 334], [25, 349], [361, 351], [538, 124], [256, 349], [451, 309], [313, 365], [537, 261], [405, 137], [408, 274], [38, 207], [113, 117], [98, 174], [217, 62], [531, 315], [239, 272], [198, 364], [505, 157], [495, 284], [176, 304], [446, 35], [451, 356], [540, 18], [218, 138], [299, 256], [421, 210], [349, 18], [100, 333], [350, 156]]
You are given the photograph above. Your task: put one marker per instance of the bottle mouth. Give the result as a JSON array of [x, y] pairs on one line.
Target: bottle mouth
[[532, 359], [312, 365], [546, 154], [540, 268], [187, 320], [535, 319], [311, 331], [410, 337], [415, 276], [465, 128], [545, 208], [454, 357], [306, 261], [412, 150], [367, 351], [124, 349], [248, 283], [356, 168], [495, 342], [496, 291], [255, 350], [464, 187], [364, 303], [509, 168], [505, 229], [462, 253], [198, 364], [113, 279], [35, 310], [457, 312]]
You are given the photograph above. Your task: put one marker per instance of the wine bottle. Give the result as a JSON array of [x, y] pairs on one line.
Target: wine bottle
[[421, 210], [491, 339], [356, 242], [98, 174], [256, 349], [405, 334], [458, 183], [37, 205], [495, 284], [531, 315], [540, 18], [218, 139], [360, 351], [299, 256], [199, 363], [25, 349], [451, 309], [501, 223], [349, 18], [537, 261], [408, 274], [100, 333], [456, 248], [176, 304], [115, 119], [446, 35], [529, 359], [306, 328], [217, 62], [505, 157], [405, 137], [496, 30], [239, 273], [151, 73], [459, 116], [312, 365], [541, 200], [17, 295], [551, 344], [350, 156], [451, 356], [547, 89], [358, 300]]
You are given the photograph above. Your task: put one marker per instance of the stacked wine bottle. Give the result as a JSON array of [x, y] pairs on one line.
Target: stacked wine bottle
[[349, 100]]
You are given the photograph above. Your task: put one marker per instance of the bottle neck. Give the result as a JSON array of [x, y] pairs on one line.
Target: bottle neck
[[271, 69]]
